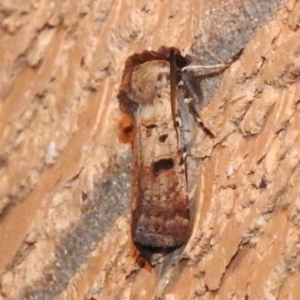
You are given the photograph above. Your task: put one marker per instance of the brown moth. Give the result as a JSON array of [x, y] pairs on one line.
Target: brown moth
[[152, 93]]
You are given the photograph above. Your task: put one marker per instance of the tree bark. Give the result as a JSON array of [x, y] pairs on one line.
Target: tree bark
[[65, 177]]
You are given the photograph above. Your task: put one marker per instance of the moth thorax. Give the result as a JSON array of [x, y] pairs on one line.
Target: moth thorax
[[146, 78]]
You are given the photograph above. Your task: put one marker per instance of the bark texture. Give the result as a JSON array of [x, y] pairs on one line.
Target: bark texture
[[65, 177]]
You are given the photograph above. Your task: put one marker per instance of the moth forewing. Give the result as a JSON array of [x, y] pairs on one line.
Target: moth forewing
[[160, 205], [161, 92]]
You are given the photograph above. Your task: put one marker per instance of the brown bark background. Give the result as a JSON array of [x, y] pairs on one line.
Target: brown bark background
[[65, 177]]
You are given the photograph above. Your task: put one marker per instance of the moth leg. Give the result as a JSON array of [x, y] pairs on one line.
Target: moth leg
[[191, 78], [191, 96], [197, 70], [202, 70]]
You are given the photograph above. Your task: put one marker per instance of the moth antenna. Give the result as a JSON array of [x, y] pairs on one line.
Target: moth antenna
[[173, 84]]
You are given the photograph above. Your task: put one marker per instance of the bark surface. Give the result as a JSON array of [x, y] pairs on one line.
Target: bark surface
[[65, 177]]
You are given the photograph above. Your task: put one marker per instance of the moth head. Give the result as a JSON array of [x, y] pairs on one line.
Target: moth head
[[143, 74]]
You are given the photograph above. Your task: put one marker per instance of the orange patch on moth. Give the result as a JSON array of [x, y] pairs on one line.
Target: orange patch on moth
[[126, 128], [138, 257]]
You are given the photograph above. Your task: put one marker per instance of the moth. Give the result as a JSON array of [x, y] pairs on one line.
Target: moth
[[156, 94]]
